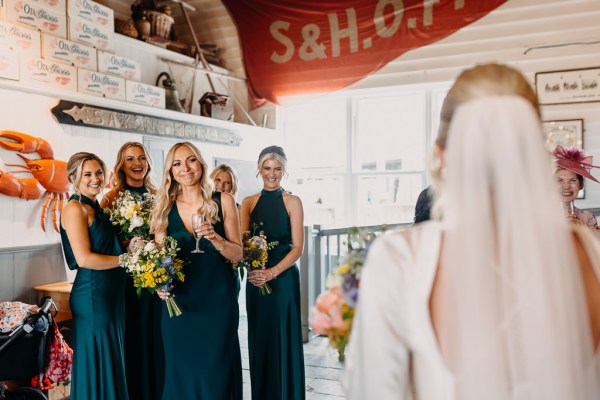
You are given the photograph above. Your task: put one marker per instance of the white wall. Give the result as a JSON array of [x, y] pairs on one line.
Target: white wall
[[30, 113]]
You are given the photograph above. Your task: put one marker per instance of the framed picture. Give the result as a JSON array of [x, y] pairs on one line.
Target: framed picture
[[572, 86], [566, 133]]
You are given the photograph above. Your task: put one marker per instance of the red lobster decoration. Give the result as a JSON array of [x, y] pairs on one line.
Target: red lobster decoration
[[49, 175]]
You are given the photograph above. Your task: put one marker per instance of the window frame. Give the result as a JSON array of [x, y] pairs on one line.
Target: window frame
[[433, 95]]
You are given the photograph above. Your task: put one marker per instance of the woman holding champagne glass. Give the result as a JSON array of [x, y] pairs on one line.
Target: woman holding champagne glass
[[572, 165], [202, 351]]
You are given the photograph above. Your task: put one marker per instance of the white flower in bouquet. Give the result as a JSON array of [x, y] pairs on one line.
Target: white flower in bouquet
[[131, 214], [149, 246], [136, 222]]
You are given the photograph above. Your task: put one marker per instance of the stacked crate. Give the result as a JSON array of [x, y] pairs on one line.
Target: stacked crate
[[69, 44]]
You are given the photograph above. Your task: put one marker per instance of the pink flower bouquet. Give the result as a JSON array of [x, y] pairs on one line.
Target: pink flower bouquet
[[334, 309]]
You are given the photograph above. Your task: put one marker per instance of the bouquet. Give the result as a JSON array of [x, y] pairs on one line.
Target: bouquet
[[131, 213], [255, 250], [155, 267], [334, 309]]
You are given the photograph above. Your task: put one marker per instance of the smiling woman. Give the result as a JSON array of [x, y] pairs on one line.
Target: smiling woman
[[274, 325], [132, 172], [97, 297], [143, 340], [572, 165], [200, 362]]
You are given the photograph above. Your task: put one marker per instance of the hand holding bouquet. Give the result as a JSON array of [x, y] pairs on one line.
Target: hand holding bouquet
[[334, 309], [131, 213], [155, 267], [256, 253]]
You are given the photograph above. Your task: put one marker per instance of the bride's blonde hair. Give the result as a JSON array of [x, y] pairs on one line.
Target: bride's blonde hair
[[479, 81], [515, 319]]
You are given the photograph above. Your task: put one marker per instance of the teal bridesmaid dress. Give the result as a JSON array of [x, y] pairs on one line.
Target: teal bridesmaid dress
[[98, 310], [202, 349], [274, 324], [144, 354]]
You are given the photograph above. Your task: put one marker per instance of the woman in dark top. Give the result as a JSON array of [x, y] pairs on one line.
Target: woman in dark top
[[423, 206], [144, 354], [202, 349], [274, 324], [226, 180], [132, 172], [92, 248]]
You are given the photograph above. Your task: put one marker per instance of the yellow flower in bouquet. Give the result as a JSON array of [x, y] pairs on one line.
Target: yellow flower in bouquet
[[131, 213], [155, 267], [255, 249]]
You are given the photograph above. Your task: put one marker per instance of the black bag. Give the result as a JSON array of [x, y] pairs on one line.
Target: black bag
[[25, 357]]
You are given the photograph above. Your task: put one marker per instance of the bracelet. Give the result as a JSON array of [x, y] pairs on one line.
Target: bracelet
[[220, 249]]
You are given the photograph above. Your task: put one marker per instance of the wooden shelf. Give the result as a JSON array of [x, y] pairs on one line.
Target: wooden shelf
[[60, 293], [153, 52]]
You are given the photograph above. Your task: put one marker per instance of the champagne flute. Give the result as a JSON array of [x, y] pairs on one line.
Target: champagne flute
[[197, 221]]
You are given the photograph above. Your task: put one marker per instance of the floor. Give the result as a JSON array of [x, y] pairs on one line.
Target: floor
[[323, 370]]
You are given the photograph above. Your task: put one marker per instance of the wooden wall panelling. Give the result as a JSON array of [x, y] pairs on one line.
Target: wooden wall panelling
[[6, 277]]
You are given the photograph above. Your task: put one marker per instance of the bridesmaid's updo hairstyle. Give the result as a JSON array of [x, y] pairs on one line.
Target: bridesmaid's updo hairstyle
[[75, 167], [272, 153]]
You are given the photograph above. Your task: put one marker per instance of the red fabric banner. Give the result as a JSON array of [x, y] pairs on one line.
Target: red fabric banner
[[295, 47]]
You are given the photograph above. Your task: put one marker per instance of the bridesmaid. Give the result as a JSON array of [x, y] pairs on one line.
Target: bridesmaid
[[274, 325], [92, 248], [226, 180], [202, 349], [144, 354]]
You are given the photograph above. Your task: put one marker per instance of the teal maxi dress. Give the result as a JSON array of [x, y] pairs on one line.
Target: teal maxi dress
[[144, 354], [274, 324], [98, 310], [202, 349]]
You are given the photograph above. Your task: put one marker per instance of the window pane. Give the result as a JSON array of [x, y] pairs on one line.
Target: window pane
[[315, 135], [390, 133], [322, 199], [387, 199]]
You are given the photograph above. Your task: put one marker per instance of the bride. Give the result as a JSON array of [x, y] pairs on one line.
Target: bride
[[499, 300]]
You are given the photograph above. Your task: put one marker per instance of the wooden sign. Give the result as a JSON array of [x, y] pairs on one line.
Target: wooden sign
[[71, 113]]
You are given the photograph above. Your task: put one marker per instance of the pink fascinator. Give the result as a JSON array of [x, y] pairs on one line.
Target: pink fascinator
[[575, 161]]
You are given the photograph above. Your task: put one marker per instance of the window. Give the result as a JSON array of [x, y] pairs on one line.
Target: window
[[360, 158]]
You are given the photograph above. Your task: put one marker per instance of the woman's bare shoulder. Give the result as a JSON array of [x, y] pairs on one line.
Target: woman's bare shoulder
[[291, 199], [253, 198], [74, 209]]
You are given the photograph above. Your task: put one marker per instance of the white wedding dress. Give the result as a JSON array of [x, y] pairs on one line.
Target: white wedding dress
[[394, 352]]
